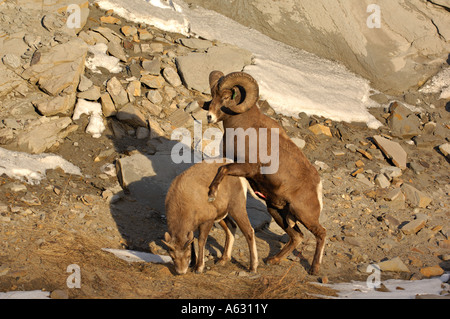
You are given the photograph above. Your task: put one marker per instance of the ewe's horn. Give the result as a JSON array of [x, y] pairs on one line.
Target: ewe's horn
[[247, 83]]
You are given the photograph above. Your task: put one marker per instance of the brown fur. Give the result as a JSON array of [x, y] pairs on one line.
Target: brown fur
[[291, 194], [188, 209]]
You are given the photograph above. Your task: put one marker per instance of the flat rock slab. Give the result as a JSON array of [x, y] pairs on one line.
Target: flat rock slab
[[42, 134], [416, 197], [395, 265], [195, 43], [148, 178], [138, 256], [8, 80], [59, 68], [392, 150], [194, 68]]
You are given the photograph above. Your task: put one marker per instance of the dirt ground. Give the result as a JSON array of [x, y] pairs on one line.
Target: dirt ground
[[69, 223], [65, 220]]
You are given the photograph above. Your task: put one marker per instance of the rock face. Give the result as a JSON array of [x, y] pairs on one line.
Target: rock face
[[8, 80], [410, 45], [395, 264]]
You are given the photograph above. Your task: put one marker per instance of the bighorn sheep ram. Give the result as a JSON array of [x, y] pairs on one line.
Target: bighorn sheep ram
[[292, 193], [187, 210]]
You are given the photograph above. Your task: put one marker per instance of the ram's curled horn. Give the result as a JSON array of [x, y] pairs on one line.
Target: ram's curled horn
[[247, 83]]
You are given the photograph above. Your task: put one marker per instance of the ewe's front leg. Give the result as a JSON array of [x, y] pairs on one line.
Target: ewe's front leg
[[233, 169]]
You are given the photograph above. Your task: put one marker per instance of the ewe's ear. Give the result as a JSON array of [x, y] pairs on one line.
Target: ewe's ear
[[167, 241]]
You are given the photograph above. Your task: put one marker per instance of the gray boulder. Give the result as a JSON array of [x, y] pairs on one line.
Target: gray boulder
[[195, 67], [403, 122], [59, 68], [42, 134]]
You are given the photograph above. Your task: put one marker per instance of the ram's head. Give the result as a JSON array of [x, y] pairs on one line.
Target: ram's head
[[232, 94]]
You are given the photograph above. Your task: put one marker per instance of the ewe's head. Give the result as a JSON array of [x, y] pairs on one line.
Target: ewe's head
[[231, 95], [180, 251]]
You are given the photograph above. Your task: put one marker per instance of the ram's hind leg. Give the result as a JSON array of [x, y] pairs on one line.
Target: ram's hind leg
[[308, 215], [281, 217]]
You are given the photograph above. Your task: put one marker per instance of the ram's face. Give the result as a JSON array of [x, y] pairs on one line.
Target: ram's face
[[221, 105], [233, 94]]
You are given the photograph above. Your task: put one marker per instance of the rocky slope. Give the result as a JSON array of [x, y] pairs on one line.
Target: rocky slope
[[107, 97]]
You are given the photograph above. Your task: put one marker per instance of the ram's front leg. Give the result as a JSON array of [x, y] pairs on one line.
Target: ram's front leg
[[234, 169]]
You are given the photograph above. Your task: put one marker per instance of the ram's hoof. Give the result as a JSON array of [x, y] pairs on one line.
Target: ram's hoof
[[211, 199]]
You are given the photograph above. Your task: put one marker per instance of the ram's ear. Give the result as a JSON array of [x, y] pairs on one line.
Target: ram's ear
[[236, 95], [204, 105]]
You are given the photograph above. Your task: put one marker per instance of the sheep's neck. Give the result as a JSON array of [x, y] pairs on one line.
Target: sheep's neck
[[243, 120]]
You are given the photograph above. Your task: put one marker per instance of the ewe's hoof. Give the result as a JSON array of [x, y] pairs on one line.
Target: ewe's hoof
[[314, 272], [198, 271]]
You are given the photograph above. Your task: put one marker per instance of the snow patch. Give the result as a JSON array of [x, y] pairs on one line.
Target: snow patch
[[290, 79], [94, 110], [101, 59], [34, 294], [440, 83], [164, 15], [138, 256], [31, 168], [397, 289]]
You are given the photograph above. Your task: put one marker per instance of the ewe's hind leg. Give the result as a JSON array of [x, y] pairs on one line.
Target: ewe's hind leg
[[204, 230], [295, 235], [230, 229], [241, 218]]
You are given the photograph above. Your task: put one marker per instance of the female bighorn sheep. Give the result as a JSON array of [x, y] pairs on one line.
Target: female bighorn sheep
[[293, 192], [187, 210]]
